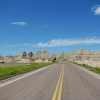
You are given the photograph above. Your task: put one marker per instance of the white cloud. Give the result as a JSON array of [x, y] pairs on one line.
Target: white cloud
[[66, 42], [96, 9], [63, 42], [19, 23]]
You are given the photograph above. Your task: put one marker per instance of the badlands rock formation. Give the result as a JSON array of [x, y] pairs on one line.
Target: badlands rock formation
[[41, 56], [81, 56]]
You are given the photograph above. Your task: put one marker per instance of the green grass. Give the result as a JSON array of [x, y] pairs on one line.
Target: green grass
[[93, 69], [9, 71]]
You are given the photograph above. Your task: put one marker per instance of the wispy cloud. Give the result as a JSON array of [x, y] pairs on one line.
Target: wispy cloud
[[66, 42], [19, 23], [96, 9], [45, 25], [10, 45], [21, 45], [27, 44]]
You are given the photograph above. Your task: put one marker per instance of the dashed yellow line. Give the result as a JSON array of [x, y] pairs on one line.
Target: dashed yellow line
[[58, 90]]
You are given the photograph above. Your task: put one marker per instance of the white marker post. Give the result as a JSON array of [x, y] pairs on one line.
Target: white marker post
[[30, 55]]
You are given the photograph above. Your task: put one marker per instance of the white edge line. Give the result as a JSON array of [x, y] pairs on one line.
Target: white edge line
[[89, 72], [25, 76]]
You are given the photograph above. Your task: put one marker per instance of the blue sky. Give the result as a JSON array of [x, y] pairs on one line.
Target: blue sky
[[53, 25]]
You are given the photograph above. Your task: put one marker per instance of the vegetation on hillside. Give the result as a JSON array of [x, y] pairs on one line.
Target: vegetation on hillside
[[94, 69]]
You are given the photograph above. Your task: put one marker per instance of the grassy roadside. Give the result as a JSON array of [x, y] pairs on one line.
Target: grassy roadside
[[9, 71], [93, 69]]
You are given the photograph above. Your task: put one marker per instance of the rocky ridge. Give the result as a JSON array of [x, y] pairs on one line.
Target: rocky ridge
[[80, 56]]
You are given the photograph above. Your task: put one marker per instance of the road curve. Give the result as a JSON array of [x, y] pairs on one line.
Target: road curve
[[66, 79]]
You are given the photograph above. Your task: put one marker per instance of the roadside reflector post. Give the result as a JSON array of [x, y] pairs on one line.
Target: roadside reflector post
[[30, 61], [30, 55]]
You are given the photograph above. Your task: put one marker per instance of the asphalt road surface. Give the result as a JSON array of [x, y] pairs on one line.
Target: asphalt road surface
[[62, 81]]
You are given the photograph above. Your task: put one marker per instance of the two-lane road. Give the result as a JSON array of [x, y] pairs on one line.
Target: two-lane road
[[62, 81]]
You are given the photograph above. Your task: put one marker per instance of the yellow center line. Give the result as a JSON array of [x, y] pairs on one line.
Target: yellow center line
[[58, 89]]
